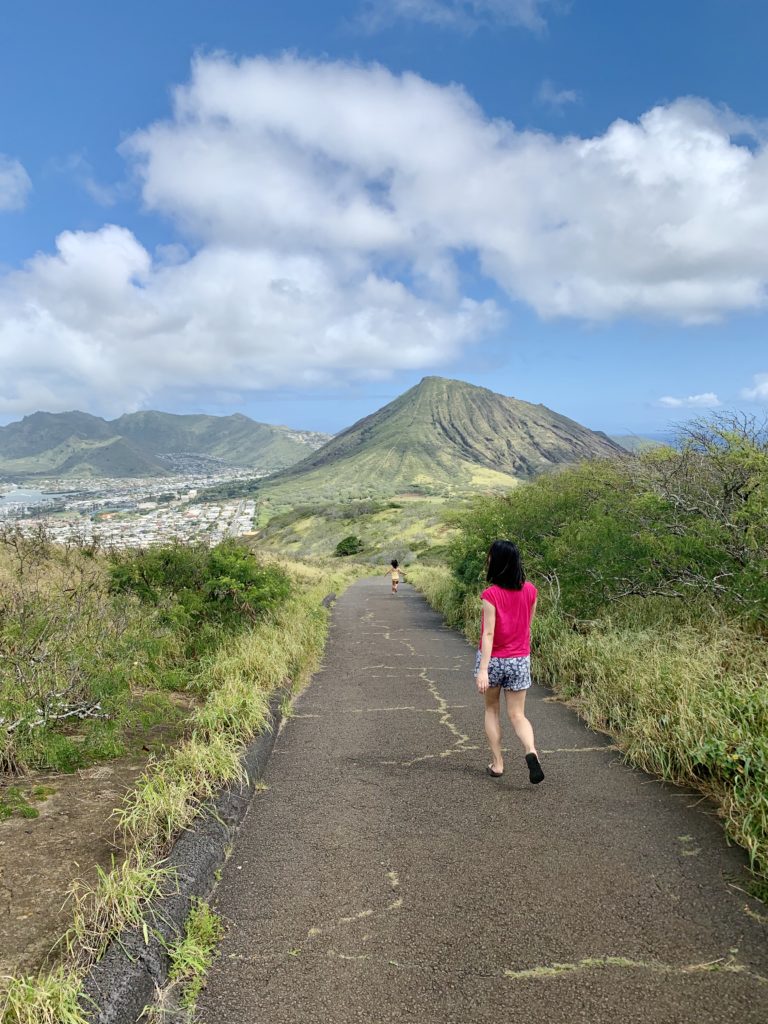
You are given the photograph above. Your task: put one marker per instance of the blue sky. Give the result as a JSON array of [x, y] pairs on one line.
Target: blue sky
[[298, 210]]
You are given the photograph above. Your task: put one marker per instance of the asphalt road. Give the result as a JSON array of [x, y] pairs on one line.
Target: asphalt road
[[383, 876]]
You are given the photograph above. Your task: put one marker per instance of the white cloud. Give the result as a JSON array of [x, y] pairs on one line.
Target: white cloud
[[759, 390], [465, 15], [550, 96], [323, 207], [99, 321], [14, 184], [666, 216], [708, 400]]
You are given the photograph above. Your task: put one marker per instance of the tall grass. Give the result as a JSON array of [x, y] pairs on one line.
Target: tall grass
[[48, 998], [689, 703], [686, 700], [282, 649]]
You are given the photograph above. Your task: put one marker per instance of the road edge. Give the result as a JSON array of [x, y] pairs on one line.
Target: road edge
[[135, 966]]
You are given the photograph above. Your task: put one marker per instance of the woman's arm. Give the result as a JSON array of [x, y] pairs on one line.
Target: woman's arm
[[486, 645]]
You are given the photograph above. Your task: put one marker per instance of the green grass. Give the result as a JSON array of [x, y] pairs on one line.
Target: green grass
[[91, 646], [401, 528], [118, 899], [48, 998], [282, 649], [192, 955], [20, 800], [687, 702]]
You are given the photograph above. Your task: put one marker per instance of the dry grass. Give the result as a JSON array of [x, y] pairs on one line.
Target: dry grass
[[282, 649]]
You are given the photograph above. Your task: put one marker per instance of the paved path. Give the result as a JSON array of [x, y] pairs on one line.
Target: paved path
[[384, 877]]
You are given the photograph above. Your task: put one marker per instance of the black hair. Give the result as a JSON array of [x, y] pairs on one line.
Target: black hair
[[504, 567], [393, 563]]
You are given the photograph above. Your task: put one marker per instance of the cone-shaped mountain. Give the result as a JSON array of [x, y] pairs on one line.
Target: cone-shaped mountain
[[445, 436]]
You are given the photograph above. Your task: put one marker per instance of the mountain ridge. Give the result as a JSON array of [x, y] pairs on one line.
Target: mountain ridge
[[139, 444]]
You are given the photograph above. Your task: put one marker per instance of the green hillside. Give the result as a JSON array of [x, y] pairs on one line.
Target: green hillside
[[407, 528], [442, 437], [234, 439], [145, 444], [635, 443], [113, 458]]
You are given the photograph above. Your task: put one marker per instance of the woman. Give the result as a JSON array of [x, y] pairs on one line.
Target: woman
[[504, 658]]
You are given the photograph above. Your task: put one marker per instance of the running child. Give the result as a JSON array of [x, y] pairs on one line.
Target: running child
[[396, 573], [504, 659]]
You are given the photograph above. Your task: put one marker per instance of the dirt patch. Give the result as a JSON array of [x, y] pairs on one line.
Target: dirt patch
[[72, 833], [39, 857]]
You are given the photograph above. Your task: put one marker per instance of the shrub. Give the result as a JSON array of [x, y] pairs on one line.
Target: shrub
[[348, 546], [220, 584], [687, 523]]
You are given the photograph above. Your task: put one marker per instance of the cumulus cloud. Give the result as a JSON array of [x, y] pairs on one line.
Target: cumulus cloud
[[707, 400], [759, 390], [323, 209], [465, 15], [14, 184], [556, 99], [100, 318], [665, 216]]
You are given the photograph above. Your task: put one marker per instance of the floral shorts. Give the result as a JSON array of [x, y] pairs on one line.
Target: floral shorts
[[508, 673]]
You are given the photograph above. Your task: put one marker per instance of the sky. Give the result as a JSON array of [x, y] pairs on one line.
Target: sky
[[298, 210]]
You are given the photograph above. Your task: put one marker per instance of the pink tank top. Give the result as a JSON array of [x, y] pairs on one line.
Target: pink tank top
[[514, 609]]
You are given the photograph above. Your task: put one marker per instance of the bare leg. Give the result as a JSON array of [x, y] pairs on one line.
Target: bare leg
[[515, 700], [493, 726]]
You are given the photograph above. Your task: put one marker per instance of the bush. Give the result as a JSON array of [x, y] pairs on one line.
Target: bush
[[689, 524], [88, 642], [219, 585], [349, 546]]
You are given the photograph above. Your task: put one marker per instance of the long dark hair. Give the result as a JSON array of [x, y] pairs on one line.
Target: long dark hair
[[504, 567]]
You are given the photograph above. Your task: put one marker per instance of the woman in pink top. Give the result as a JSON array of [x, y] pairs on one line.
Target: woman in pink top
[[504, 658]]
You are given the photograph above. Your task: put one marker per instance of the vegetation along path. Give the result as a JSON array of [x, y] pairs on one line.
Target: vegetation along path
[[383, 876]]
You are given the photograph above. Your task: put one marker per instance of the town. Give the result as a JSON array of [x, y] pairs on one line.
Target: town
[[130, 512]]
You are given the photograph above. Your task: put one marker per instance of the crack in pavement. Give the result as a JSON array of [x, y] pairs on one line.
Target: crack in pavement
[[393, 881], [444, 708], [371, 711], [429, 757], [727, 964], [542, 972]]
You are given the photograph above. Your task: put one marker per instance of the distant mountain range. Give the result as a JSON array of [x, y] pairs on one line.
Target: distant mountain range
[[143, 444], [440, 437]]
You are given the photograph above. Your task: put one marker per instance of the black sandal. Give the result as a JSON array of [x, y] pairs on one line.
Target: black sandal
[[492, 773], [535, 772]]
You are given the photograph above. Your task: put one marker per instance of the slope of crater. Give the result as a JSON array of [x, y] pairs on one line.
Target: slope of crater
[[440, 437]]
